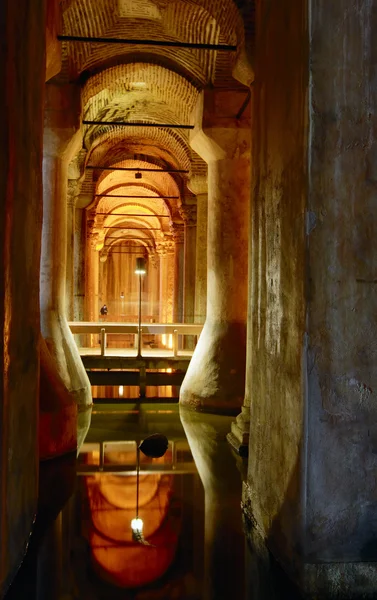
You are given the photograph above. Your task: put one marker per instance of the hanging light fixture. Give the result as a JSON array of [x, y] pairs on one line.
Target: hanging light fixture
[[154, 446]]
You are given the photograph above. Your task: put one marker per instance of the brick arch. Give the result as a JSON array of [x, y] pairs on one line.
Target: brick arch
[[130, 83], [151, 192], [206, 21], [163, 182], [160, 142]]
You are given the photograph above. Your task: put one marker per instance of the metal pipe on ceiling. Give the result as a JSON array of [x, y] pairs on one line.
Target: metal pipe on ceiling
[[161, 43], [129, 215], [129, 227], [138, 124], [102, 168], [145, 197]]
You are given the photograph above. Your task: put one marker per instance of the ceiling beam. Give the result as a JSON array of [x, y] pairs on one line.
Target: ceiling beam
[[161, 43], [138, 124]]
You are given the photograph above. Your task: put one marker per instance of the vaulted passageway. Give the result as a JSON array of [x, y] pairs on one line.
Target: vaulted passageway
[[230, 148]]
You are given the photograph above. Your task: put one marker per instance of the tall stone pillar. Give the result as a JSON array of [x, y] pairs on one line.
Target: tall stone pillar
[[153, 278], [179, 238], [188, 214], [70, 249], [61, 139], [199, 187], [201, 258], [165, 250], [311, 493], [22, 72], [215, 379]]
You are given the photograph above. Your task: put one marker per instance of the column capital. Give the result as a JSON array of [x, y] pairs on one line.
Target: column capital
[[62, 120], [165, 247], [178, 231], [198, 184], [188, 214], [218, 134]]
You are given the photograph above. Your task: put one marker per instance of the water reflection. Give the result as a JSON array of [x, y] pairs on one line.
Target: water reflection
[[131, 392], [189, 502]]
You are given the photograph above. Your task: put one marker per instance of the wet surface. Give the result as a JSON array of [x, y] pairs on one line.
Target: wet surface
[[192, 544]]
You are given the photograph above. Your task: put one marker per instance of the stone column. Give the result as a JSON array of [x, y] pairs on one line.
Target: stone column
[[22, 72], [201, 258], [61, 139], [215, 379], [188, 214], [179, 238], [311, 493], [165, 250], [70, 249], [153, 286], [79, 267]]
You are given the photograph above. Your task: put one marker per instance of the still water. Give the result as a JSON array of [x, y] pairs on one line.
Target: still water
[[192, 545]]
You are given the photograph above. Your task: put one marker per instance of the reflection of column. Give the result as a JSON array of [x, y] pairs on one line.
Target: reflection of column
[[178, 236], [49, 572], [165, 251], [215, 378], [223, 532], [201, 258], [61, 140], [188, 214]]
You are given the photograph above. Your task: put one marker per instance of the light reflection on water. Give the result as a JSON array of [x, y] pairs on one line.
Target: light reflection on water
[[189, 503]]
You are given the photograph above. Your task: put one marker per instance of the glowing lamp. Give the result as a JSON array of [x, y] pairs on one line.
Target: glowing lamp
[[140, 266], [137, 525]]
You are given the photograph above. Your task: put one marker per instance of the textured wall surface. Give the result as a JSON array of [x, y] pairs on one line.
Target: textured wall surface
[[311, 487], [22, 67], [278, 270], [342, 309]]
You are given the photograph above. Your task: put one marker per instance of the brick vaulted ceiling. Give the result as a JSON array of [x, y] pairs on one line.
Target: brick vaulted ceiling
[[149, 84]]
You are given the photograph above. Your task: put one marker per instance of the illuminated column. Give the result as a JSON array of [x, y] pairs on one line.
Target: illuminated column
[[201, 258], [178, 236], [188, 214], [199, 187], [153, 286], [165, 250], [71, 200], [61, 139], [215, 379]]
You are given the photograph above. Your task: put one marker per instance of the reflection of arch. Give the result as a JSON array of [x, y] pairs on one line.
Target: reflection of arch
[[116, 557]]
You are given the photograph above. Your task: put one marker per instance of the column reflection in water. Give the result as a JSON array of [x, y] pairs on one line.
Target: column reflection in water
[[224, 542]]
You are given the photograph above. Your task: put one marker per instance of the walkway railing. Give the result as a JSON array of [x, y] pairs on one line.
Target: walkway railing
[[105, 328]]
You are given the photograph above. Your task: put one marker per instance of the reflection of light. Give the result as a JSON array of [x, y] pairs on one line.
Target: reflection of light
[[120, 390], [137, 525], [170, 344], [169, 370], [163, 339]]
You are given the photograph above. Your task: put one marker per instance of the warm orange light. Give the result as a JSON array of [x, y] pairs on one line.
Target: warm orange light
[[99, 246]]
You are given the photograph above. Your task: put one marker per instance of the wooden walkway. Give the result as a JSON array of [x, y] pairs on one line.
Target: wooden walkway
[[122, 366]]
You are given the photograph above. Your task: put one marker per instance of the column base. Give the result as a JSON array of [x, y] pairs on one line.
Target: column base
[[238, 437], [215, 379], [296, 578]]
